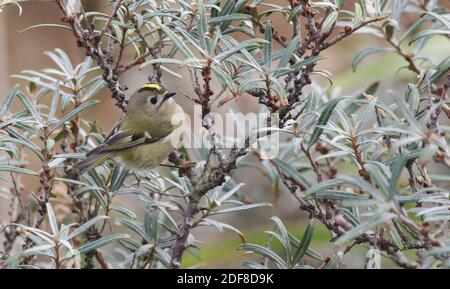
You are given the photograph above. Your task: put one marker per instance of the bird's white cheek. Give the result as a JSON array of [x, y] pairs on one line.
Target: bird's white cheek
[[167, 104]]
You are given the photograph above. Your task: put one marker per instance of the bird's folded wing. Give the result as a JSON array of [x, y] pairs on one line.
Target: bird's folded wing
[[114, 130], [123, 139]]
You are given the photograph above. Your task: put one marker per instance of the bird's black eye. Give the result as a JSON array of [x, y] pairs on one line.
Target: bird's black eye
[[153, 100]]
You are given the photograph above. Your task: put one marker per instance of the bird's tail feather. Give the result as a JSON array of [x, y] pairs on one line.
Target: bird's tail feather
[[90, 162]]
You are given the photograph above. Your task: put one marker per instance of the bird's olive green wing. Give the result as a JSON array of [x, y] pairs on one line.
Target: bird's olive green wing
[[124, 139]]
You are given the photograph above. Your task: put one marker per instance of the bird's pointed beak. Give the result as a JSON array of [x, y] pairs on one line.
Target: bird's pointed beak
[[167, 96]]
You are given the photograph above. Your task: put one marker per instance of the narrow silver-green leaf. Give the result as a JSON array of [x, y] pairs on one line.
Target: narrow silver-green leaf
[[240, 208], [377, 219], [440, 18], [307, 61], [137, 228], [232, 17], [323, 119], [441, 70], [13, 169], [285, 237], [101, 242], [30, 107], [304, 243], [294, 12], [54, 103], [124, 211], [86, 226], [397, 167], [291, 172], [203, 27], [268, 46], [52, 219], [7, 101], [329, 22], [243, 45], [263, 251], [74, 113], [46, 26], [429, 32], [288, 52], [177, 41], [366, 52]]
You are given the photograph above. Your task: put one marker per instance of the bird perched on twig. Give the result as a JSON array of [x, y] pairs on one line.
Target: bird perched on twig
[[145, 135]]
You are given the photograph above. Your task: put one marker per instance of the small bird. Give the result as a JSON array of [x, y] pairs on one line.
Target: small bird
[[145, 135]]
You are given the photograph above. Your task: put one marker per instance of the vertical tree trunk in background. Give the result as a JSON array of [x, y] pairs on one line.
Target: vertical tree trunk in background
[[4, 72], [4, 63]]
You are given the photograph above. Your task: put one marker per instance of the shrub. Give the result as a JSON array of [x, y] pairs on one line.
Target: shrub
[[361, 164]]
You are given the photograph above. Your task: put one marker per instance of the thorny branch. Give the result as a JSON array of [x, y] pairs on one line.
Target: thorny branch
[[45, 190], [209, 178], [94, 43], [215, 176], [337, 224], [316, 42]]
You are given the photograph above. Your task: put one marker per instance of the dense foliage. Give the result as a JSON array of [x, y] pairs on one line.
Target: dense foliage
[[361, 164]]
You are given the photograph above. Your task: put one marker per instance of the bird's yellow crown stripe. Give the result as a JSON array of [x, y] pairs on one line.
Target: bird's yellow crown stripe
[[152, 86]]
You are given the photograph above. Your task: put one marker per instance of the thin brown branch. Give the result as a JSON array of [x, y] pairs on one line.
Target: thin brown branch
[[407, 56], [184, 227], [349, 31], [313, 163]]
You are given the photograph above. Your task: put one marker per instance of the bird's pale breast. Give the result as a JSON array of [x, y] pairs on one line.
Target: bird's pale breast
[[146, 156], [150, 155]]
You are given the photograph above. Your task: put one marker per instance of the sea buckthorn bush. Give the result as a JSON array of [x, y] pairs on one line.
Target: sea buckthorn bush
[[369, 166]]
